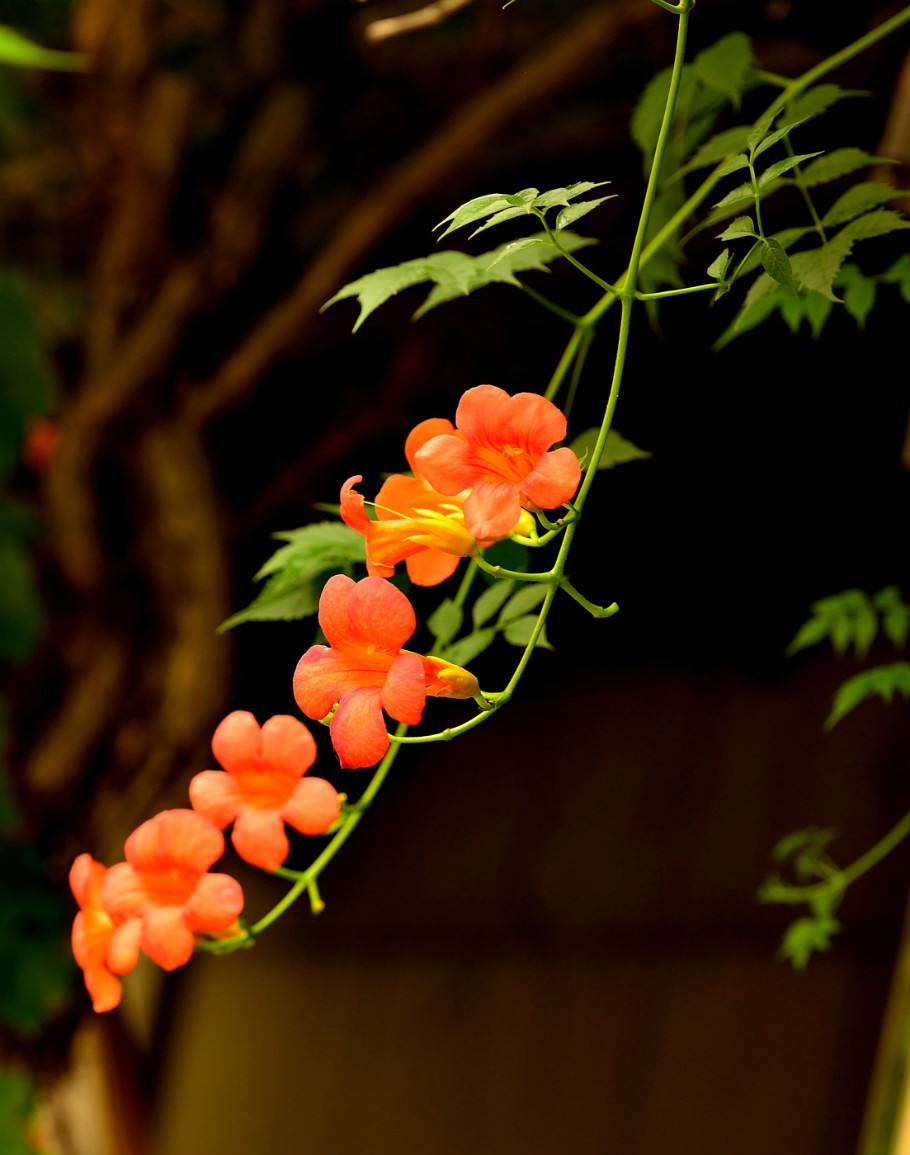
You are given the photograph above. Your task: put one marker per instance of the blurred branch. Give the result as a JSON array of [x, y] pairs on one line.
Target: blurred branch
[[424, 17], [566, 58]]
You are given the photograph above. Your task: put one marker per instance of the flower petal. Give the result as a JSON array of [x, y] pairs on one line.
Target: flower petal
[[321, 678], [554, 480], [488, 416], [259, 838], [85, 879], [236, 742], [431, 566], [313, 807], [105, 989], [351, 509], [216, 902], [358, 729], [401, 496], [123, 951], [213, 794], [334, 619], [448, 464], [188, 840], [404, 695], [166, 938], [288, 746], [421, 434], [381, 615], [122, 892], [493, 509]]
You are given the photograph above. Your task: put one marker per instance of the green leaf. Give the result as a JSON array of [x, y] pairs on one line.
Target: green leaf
[[818, 100], [881, 681], [742, 192], [812, 838], [816, 269], [526, 599], [774, 171], [617, 451], [298, 571], [575, 212], [518, 632], [806, 937], [860, 199], [717, 270], [479, 208], [774, 138], [859, 293], [445, 621], [895, 615], [728, 143], [491, 600], [23, 53], [727, 66], [465, 650], [776, 263], [875, 224], [564, 196], [817, 309], [840, 162], [847, 618], [740, 227]]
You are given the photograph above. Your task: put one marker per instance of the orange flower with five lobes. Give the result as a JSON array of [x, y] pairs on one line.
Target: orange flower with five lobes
[[263, 786], [103, 948], [500, 451], [365, 670], [415, 524], [166, 886]]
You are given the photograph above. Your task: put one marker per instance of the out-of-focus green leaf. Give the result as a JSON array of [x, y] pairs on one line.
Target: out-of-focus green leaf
[[20, 52], [881, 682]]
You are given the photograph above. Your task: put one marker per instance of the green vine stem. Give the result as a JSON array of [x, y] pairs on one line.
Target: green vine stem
[[777, 892]]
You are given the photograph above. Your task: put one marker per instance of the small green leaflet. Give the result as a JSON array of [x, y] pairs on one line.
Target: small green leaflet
[[776, 263], [806, 937], [808, 850], [840, 162], [728, 143], [528, 598], [845, 619], [899, 274], [466, 649], [727, 66], [740, 227], [455, 274], [881, 681], [495, 208], [491, 601], [742, 194], [818, 100], [617, 451], [860, 199], [859, 293], [717, 270], [518, 632], [445, 621], [774, 137], [775, 171], [298, 570], [20, 52], [895, 615]]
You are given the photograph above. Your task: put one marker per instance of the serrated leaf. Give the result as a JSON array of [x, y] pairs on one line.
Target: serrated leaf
[[840, 162], [465, 650], [763, 299], [564, 196], [449, 268], [297, 572], [742, 192], [895, 615], [727, 66], [806, 937], [881, 681], [875, 224], [740, 227], [20, 52], [817, 309], [491, 601], [775, 171], [860, 199], [774, 138], [776, 263], [728, 143], [479, 208], [518, 632], [575, 212], [816, 269], [498, 219], [818, 100], [526, 599], [445, 621], [859, 293]]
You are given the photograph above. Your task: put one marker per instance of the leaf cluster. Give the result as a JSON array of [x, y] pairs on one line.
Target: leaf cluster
[[852, 620], [298, 570], [505, 608]]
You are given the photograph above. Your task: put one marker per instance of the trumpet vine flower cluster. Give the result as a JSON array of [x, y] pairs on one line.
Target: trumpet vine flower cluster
[[473, 483]]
